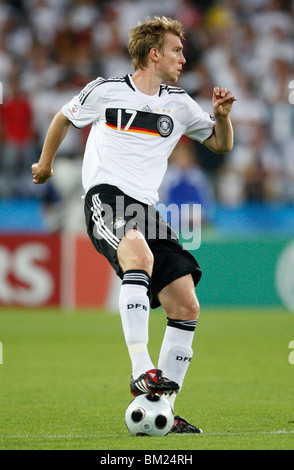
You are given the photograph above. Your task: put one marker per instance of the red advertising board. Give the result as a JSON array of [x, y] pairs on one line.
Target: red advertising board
[[30, 270], [93, 275], [53, 269]]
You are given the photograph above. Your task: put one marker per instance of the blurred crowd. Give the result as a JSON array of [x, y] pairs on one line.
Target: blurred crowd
[[49, 49]]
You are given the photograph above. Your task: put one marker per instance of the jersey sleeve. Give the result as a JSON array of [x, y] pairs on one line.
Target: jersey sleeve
[[86, 107], [200, 124]]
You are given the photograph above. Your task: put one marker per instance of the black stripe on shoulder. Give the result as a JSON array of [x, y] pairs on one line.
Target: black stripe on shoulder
[[92, 85], [176, 92], [174, 89], [171, 89], [88, 88]]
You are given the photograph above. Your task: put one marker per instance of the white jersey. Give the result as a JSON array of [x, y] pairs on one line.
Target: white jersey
[[133, 134]]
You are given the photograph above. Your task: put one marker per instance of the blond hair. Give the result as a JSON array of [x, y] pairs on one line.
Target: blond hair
[[151, 34]]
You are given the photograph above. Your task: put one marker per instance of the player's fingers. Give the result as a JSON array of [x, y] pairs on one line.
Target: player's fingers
[[216, 94], [228, 98], [37, 179], [225, 96], [223, 92], [34, 171], [39, 175]]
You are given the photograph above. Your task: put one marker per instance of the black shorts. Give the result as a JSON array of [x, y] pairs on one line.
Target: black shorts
[[110, 214]]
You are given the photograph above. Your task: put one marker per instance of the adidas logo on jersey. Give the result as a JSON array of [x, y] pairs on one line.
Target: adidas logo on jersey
[[147, 108]]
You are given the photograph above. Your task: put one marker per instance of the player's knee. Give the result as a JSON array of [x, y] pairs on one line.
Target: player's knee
[[189, 309], [144, 261], [134, 253], [195, 310]]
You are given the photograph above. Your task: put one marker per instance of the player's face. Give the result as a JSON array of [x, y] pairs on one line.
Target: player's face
[[171, 59]]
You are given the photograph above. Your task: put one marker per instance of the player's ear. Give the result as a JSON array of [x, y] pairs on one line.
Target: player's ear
[[154, 54]]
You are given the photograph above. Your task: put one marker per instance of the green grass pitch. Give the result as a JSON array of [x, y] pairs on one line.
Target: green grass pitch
[[64, 381]]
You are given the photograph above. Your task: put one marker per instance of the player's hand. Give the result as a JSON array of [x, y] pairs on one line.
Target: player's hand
[[40, 173], [222, 101]]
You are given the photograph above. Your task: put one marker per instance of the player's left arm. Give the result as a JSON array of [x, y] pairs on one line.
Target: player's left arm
[[222, 139]]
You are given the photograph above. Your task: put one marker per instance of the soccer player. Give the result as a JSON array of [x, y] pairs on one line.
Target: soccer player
[[137, 121]]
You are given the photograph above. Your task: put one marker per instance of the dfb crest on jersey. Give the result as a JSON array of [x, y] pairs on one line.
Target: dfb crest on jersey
[[165, 126]]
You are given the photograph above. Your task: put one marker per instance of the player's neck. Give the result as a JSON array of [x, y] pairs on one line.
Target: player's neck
[[146, 82]]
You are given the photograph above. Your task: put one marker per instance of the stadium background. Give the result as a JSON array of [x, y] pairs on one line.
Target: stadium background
[[49, 49]]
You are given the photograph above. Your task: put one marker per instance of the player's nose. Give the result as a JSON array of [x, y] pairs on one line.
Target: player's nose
[[182, 59]]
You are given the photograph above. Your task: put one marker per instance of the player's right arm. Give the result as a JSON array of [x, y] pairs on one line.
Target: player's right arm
[[57, 131]]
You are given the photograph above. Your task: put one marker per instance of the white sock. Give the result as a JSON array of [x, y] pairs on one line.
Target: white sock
[[176, 351], [134, 309]]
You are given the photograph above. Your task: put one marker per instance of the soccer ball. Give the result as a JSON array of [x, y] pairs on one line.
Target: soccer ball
[[149, 415]]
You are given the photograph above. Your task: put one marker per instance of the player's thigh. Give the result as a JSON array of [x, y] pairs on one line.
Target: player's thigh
[[179, 299], [133, 252]]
